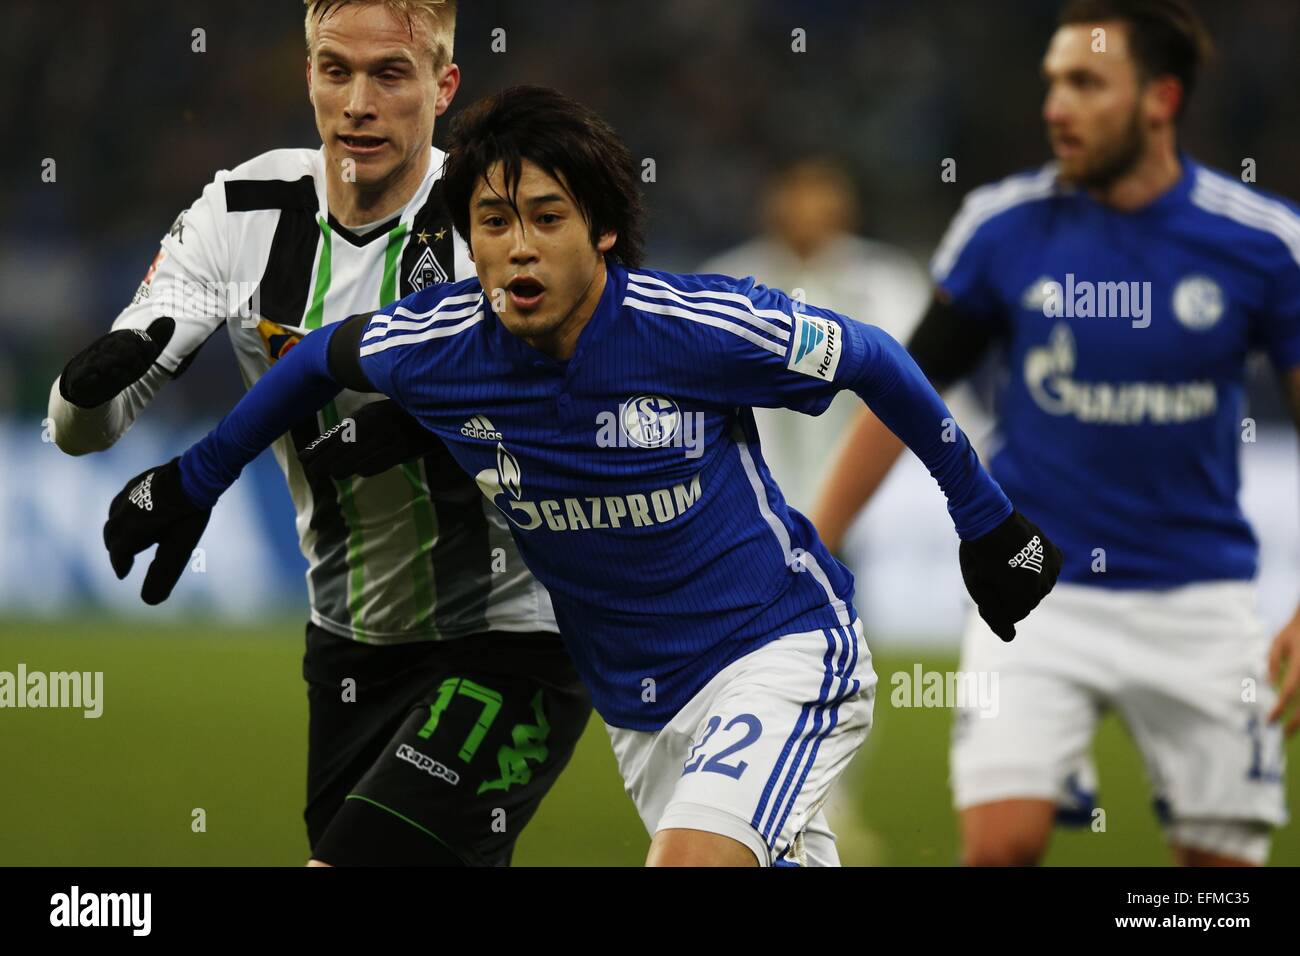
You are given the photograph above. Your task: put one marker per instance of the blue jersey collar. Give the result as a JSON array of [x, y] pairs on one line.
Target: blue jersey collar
[[1170, 200]]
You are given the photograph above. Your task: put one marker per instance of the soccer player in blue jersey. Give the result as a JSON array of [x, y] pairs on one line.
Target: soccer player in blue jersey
[[1124, 285], [605, 409]]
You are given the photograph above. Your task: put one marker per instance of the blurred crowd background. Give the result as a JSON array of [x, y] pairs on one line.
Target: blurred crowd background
[[136, 122]]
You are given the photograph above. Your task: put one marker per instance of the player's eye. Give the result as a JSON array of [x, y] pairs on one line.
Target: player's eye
[[549, 218], [494, 222]]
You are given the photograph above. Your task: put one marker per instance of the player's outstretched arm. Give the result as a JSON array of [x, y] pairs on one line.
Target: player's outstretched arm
[[180, 303], [169, 505], [106, 385], [946, 346], [1008, 564], [381, 436]]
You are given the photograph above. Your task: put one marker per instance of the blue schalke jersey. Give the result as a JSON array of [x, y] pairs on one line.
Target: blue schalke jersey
[[632, 475], [1126, 337]]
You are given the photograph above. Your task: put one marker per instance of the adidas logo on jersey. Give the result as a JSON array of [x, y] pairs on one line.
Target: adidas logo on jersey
[[480, 427], [1030, 556]]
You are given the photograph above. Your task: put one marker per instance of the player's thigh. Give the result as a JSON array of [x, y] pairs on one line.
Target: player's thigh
[[1196, 700], [753, 755], [1023, 728], [357, 695], [471, 762]]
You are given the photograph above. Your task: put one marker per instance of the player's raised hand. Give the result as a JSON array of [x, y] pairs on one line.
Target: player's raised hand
[[112, 362], [1008, 571], [153, 509], [375, 438]]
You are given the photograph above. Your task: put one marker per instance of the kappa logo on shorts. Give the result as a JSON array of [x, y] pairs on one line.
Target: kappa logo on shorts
[[428, 764], [1030, 556]]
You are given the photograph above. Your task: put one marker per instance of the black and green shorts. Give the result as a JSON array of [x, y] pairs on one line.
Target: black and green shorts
[[434, 753]]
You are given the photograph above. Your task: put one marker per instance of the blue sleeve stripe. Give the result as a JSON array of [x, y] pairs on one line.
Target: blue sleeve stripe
[[410, 338], [704, 319]]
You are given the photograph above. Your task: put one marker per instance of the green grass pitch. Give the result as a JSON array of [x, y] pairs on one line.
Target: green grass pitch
[[198, 715]]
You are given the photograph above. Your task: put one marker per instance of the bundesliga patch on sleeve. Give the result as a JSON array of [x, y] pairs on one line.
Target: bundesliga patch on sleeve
[[816, 347]]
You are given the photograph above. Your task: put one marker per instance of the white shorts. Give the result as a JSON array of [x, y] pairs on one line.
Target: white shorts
[[1186, 671], [753, 755]]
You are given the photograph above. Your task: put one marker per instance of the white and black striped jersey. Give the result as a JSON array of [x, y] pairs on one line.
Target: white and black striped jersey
[[260, 253]]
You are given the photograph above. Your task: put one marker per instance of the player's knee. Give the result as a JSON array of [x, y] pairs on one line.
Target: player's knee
[[1007, 833], [1002, 851]]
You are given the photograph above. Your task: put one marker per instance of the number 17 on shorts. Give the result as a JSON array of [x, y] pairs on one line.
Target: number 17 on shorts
[[753, 755]]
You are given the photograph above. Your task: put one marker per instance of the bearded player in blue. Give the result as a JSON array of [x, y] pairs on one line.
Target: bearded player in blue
[[605, 410], [1124, 285]]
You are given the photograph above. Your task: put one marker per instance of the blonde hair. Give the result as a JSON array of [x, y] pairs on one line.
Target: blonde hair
[[439, 16]]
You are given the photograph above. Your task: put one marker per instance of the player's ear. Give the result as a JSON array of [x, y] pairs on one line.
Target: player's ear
[[1164, 94], [607, 241], [311, 95], [448, 84]]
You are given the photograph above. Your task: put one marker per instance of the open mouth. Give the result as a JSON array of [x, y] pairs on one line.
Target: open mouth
[[1066, 145], [363, 144], [525, 292]]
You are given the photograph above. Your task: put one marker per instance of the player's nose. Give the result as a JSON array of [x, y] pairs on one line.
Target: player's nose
[[522, 247], [1055, 110], [360, 102]]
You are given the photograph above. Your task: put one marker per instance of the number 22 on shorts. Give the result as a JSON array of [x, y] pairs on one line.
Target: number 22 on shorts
[[753, 729]]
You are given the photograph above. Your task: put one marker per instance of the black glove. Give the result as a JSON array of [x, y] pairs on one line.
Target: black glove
[[153, 509], [1008, 571], [375, 438], [112, 362]]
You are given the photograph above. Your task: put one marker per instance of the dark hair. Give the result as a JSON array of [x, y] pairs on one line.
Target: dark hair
[[565, 139], [1166, 37]]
